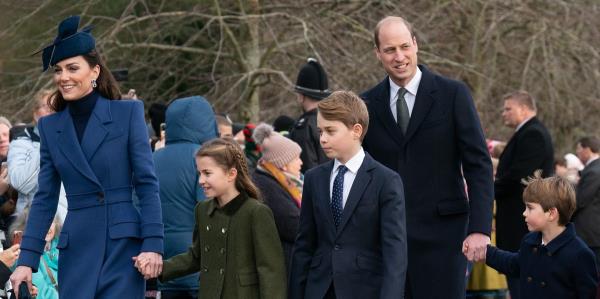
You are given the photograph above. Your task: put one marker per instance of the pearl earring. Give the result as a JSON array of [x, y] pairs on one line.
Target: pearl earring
[[94, 85]]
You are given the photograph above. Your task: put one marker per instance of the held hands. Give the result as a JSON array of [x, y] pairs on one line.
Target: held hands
[[149, 264], [475, 247]]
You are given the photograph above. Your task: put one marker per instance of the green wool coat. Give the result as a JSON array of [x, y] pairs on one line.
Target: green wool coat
[[236, 249]]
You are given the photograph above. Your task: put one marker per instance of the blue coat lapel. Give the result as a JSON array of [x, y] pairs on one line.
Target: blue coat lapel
[[95, 131], [362, 180], [70, 147]]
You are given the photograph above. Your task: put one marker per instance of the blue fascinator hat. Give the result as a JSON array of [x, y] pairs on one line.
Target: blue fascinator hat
[[68, 43]]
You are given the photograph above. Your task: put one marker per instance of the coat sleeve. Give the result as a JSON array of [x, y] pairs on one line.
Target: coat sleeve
[[476, 162], [505, 262], [23, 165], [393, 238], [305, 245], [268, 254], [145, 181], [43, 207], [187, 262], [585, 274]]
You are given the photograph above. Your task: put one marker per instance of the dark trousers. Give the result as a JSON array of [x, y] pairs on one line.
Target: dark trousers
[[513, 287], [178, 294]]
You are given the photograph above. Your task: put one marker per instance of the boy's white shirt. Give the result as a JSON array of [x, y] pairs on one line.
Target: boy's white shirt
[[353, 165]]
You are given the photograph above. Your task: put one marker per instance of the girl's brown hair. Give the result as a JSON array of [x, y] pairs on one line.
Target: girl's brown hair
[[107, 85], [228, 154]]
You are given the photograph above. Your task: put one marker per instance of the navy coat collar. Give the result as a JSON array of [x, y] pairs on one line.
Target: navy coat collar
[[94, 135], [535, 239]]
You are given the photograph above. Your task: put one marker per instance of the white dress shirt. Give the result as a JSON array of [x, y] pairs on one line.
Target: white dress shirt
[[410, 96], [353, 165]]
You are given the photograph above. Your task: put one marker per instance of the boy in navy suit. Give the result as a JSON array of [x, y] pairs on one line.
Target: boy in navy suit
[[352, 237], [552, 262]]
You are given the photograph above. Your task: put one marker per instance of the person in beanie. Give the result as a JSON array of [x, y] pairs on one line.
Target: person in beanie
[[311, 87], [279, 180]]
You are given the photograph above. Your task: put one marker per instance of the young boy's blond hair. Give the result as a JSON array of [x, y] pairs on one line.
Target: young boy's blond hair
[[346, 107], [553, 192]]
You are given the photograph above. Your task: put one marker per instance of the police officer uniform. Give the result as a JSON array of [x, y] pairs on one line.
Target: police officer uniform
[[312, 83]]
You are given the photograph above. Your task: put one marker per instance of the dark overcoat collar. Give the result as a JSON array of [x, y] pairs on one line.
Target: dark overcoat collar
[[426, 96]]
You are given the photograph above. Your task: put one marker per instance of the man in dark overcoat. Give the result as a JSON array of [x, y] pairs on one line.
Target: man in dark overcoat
[[529, 149], [425, 127]]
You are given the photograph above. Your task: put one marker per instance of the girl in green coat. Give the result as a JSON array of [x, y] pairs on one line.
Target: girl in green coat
[[235, 247]]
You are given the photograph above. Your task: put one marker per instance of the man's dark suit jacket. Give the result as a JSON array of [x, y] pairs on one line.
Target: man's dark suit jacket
[[365, 257], [443, 145], [587, 214], [529, 149]]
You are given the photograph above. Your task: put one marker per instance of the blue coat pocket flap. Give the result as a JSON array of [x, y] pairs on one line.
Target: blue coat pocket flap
[[124, 230], [63, 240], [454, 206]]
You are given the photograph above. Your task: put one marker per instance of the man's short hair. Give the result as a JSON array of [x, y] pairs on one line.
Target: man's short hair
[[590, 142], [522, 97], [346, 107], [552, 192], [387, 19]]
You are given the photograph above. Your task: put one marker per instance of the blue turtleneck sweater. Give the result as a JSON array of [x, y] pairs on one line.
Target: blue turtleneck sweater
[[81, 110]]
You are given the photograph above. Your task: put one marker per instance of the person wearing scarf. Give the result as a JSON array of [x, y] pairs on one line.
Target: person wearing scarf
[[279, 180]]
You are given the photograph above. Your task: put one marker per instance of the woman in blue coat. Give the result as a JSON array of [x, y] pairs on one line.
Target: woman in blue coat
[[98, 147]]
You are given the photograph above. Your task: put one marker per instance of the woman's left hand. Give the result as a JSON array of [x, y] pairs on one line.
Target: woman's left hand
[[149, 264]]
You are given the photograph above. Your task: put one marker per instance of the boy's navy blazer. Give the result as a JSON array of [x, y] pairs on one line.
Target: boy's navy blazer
[[99, 175], [365, 257]]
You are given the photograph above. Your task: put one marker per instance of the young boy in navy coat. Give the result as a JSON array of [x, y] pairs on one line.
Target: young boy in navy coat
[[351, 241], [552, 261]]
